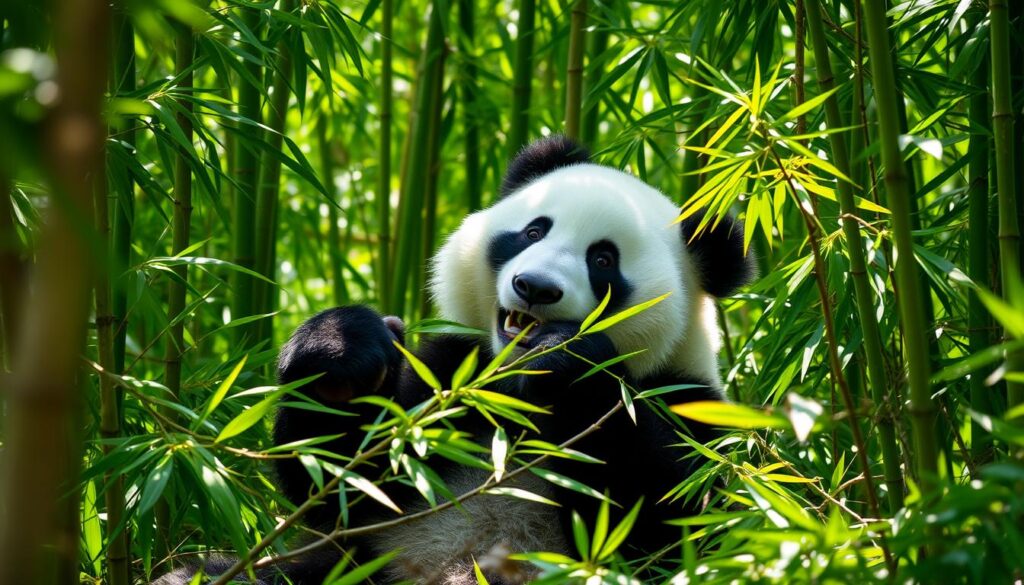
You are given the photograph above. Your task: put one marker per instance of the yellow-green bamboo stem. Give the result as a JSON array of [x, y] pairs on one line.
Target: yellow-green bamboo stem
[[384, 158], [268, 199], [1002, 128], [914, 324], [124, 210], [874, 357], [574, 72], [522, 76], [335, 250], [43, 394], [591, 116], [421, 300], [413, 192]]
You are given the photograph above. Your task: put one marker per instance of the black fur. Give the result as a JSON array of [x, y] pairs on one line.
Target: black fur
[[507, 245], [540, 158], [601, 279], [719, 254]]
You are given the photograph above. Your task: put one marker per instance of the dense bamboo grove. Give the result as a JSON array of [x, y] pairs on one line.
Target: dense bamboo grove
[[265, 160]]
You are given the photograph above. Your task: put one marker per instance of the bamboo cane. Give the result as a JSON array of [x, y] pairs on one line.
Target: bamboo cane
[[1002, 127], [858, 267], [922, 408], [522, 76], [384, 158], [471, 114], [574, 72]]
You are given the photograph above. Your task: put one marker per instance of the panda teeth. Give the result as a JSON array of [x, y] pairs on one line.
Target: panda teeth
[[515, 322]]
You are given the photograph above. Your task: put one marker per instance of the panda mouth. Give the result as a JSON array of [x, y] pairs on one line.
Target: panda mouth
[[514, 322]]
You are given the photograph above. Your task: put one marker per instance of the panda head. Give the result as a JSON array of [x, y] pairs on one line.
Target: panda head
[[564, 233]]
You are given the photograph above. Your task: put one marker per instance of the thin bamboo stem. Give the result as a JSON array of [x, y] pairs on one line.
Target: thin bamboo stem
[[414, 183], [247, 166], [589, 127], [118, 568], [574, 71], [978, 321], [471, 113], [922, 407], [1002, 127], [180, 227], [421, 300], [42, 449], [384, 158], [522, 76], [269, 193], [334, 246], [858, 268], [124, 210]]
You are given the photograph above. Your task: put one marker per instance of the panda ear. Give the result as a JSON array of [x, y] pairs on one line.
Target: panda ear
[[540, 158], [718, 254]]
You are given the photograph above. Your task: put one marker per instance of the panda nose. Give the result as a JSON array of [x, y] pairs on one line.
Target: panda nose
[[536, 290]]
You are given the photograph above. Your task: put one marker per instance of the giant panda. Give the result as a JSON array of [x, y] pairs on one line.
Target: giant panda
[[564, 232]]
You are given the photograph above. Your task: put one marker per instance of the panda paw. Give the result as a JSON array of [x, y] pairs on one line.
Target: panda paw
[[352, 347]]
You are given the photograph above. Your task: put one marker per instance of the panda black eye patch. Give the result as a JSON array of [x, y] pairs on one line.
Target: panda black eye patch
[[507, 245], [604, 271]]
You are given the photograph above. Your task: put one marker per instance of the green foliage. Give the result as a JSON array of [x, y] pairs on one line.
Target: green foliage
[[699, 99]]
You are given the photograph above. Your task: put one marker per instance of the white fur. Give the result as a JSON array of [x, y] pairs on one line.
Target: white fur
[[588, 203]]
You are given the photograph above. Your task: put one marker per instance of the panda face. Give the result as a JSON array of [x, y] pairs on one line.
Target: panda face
[[551, 251]]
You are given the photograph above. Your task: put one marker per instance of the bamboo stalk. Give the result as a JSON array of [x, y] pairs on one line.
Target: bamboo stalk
[[522, 76], [413, 193], [978, 321], [384, 159], [334, 246], [107, 331], [471, 112], [1002, 127], [124, 210], [574, 71], [181, 222], [858, 267], [12, 273], [421, 300], [589, 128], [247, 166], [42, 396], [922, 408], [268, 198]]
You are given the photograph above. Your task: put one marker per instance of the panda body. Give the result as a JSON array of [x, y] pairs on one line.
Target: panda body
[[564, 234]]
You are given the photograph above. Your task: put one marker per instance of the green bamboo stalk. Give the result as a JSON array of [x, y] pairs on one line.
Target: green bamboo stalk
[[522, 76], [858, 267], [384, 159], [574, 71], [1002, 127], [421, 300], [592, 116], [247, 166], [124, 210], [269, 192], [180, 227], [471, 112], [922, 408], [12, 273], [413, 192], [42, 396], [108, 330], [978, 321], [334, 245]]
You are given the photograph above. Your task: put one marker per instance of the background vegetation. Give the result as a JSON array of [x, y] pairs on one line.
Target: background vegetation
[[185, 182]]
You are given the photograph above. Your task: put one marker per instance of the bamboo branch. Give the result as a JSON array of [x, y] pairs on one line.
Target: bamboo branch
[[574, 72]]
